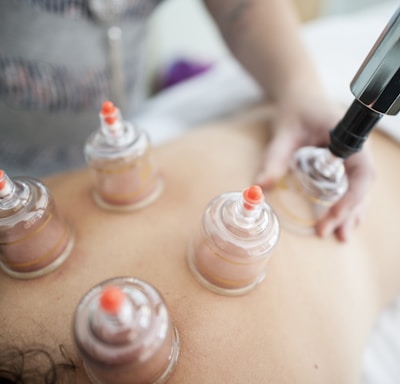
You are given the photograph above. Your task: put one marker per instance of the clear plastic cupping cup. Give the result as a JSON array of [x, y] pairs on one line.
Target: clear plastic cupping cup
[[316, 180], [124, 334], [34, 238], [230, 251], [120, 157]]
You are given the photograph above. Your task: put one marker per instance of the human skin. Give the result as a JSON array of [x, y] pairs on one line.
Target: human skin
[[307, 322]]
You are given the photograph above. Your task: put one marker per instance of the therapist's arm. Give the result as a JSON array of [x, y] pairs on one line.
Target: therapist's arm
[[264, 35]]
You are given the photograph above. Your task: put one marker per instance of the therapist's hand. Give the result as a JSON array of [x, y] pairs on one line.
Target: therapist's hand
[[306, 119]]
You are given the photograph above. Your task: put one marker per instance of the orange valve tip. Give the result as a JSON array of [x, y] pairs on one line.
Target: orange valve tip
[[111, 299], [110, 119], [108, 108], [3, 180], [253, 195]]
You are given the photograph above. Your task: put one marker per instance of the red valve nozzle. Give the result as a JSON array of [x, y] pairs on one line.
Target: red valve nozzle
[[3, 180], [111, 300], [253, 196], [108, 108], [109, 111]]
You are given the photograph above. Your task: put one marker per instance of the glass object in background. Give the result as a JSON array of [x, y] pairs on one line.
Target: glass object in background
[[230, 251], [120, 156], [34, 238], [109, 14], [124, 334], [315, 181]]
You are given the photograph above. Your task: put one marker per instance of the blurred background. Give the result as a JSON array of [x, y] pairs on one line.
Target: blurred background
[[169, 41]]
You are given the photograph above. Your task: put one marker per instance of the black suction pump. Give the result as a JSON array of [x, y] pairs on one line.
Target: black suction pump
[[376, 87]]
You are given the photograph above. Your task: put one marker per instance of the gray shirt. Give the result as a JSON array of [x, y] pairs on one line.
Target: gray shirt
[[55, 74]]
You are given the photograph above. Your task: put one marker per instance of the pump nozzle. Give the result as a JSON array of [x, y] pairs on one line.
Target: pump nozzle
[[376, 87]]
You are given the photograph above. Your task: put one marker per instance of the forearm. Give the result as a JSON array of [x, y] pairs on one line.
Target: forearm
[[264, 36]]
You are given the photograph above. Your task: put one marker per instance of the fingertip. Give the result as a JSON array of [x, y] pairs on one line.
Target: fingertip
[[264, 181], [342, 234], [269, 175], [324, 228], [275, 159]]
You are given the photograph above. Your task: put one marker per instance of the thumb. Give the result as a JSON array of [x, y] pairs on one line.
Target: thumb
[[275, 158]]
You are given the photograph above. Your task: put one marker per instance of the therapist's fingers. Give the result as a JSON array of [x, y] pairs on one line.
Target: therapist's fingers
[[295, 124], [343, 232], [342, 219], [276, 157], [345, 215]]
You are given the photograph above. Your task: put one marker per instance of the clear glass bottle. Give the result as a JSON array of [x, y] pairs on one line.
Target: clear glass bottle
[[120, 156], [34, 238], [230, 251], [124, 334], [316, 180]]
